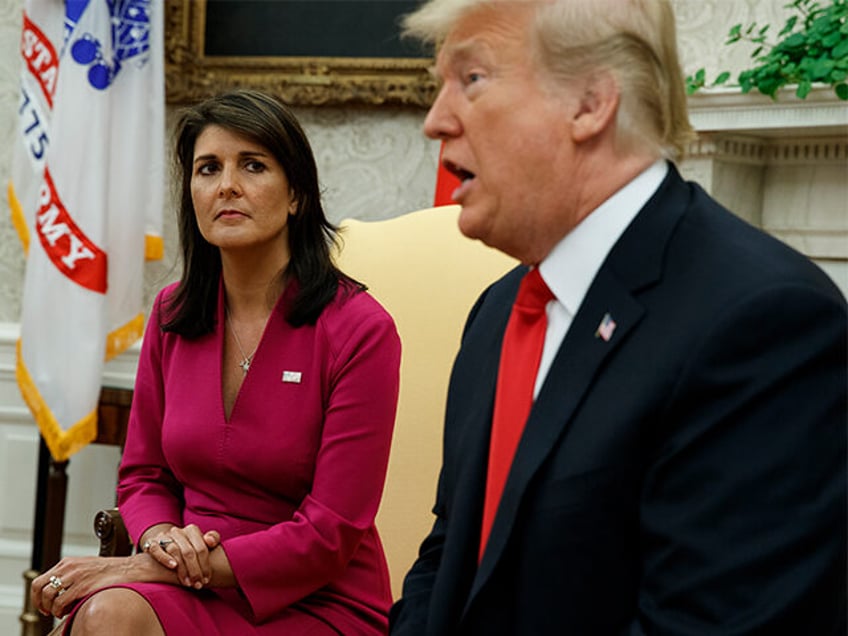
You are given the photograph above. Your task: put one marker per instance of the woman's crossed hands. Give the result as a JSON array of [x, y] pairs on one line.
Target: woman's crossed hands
[[184, 550]]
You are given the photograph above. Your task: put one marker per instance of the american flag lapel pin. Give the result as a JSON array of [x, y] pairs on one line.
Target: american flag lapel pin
[[606, 328], [292, 377]]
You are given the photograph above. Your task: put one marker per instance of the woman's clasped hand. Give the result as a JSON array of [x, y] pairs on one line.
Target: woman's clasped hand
[[185, 550]]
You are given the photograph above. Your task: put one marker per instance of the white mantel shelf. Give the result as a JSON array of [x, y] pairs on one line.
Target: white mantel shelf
[[781, 164], [729, 110]]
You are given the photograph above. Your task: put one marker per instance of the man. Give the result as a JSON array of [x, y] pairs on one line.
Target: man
[[682, 469]]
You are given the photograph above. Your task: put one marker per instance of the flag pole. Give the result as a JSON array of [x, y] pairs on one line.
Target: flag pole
[[48, 526]]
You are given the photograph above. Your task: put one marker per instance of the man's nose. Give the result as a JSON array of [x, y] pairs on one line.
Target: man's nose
[[441, 121]]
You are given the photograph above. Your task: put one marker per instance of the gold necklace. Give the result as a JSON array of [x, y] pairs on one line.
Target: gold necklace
[[245, 359]]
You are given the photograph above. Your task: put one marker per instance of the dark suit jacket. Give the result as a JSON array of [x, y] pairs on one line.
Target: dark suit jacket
[[686, 477]]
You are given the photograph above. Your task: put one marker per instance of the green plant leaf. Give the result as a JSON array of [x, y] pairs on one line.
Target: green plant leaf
[[832, 39], [840, 50], [746, 80], [822, 25], [841, 91], [772, 68], [787, 28], [804, 89], [822, 68], [695, 82], [769, 85], [722, 78], [794, 41]]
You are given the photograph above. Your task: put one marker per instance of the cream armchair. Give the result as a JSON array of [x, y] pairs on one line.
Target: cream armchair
[[427, 275]]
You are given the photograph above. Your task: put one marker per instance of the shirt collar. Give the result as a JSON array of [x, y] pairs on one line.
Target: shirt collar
[[571, 266]]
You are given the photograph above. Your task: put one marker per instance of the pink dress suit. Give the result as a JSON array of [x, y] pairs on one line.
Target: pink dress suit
[[292, 480]]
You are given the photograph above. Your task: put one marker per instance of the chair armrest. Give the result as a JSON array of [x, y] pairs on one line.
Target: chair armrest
[[110, 529]]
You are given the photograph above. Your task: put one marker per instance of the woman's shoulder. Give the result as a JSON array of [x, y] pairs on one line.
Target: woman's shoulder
[[352, 301], [355, 322], [354, 308]]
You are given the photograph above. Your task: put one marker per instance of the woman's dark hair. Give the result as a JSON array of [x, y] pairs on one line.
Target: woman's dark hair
[[190, 311]]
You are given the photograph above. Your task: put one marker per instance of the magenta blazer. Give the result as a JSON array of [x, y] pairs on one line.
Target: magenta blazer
[[293, 479]]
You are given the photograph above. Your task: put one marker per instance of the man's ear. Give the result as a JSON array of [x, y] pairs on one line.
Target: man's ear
[[597, 107]]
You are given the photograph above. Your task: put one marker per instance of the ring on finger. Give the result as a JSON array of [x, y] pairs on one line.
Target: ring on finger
[[60, 592], [164, 543], [56, 583]]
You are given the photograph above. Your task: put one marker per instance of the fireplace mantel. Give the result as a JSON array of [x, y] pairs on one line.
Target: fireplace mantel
[[780, 164], [728, 110]]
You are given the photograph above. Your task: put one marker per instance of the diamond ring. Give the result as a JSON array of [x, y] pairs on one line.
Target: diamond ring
[[56, 582]]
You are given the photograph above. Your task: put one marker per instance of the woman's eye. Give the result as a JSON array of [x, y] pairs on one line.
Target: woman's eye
[[207, 169], [255, 166]]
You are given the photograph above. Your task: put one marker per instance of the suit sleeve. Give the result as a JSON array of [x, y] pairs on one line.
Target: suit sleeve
[[744, 503]]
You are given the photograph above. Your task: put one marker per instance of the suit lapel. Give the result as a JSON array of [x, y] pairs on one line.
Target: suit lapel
[[570, 375], [634, 263]]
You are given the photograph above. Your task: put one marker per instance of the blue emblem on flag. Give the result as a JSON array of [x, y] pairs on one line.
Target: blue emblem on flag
[[130, 32]]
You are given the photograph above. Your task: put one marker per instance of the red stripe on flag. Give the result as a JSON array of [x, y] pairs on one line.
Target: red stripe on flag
[[446, 183], [71, 251], [41, 58]]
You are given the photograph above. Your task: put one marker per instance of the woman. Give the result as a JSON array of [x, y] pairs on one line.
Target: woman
[[262, 416]]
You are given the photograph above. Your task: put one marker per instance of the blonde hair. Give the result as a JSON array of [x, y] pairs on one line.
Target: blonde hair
[[635, 40]]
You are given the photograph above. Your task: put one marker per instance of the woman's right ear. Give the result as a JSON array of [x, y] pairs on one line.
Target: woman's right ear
[[293, 203]]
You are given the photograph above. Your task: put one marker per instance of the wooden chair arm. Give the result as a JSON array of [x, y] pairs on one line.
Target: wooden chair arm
[[110, 529]]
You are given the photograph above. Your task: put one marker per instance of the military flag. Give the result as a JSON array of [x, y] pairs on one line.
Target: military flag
[[86, 197]]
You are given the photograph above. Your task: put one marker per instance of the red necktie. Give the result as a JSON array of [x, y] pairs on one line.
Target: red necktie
[[521, 352]]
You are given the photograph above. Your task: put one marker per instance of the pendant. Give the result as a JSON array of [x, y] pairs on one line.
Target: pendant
[[245, 365]]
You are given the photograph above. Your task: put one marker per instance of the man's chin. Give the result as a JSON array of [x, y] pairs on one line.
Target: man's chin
[[471, 224]]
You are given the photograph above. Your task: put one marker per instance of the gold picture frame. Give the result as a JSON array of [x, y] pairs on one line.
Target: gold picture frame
[[191, 75]]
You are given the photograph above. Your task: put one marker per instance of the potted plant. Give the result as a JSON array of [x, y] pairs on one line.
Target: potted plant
[[811, 48]]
